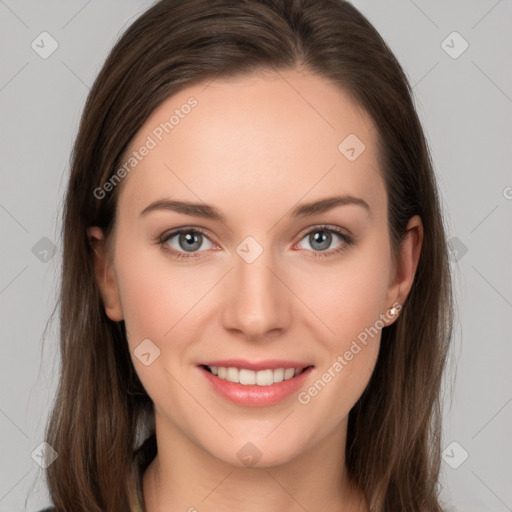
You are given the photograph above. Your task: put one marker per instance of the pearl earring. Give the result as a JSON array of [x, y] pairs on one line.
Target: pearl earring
[[393, 311]]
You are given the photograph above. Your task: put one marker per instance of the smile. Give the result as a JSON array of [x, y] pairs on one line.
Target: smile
[[259, 386], [250, 377]]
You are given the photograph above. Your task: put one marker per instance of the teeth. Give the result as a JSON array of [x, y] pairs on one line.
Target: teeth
[[264, 377], [278, 375], [249, 377], [289, 373], [232, 375]]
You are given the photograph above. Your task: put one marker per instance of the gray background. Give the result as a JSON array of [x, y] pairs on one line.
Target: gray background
[[464, 102]]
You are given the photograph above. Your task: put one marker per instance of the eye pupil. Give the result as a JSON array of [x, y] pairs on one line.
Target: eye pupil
[[191, 241], [324, 239]]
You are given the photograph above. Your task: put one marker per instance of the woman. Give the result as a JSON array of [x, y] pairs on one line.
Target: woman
[[213, 355]]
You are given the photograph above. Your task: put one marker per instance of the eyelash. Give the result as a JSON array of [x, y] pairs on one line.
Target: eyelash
[[347, 241]]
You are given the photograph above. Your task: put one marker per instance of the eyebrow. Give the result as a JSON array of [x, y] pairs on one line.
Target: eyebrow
[[210, 212]]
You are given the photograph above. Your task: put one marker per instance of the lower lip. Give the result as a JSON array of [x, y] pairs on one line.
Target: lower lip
[[256, 396]]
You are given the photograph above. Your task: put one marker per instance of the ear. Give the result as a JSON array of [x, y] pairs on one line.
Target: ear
[[104, 273], [406, 265]]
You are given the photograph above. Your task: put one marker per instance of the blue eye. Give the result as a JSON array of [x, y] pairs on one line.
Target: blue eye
[[191, 239], [188, 241], [322, 237]]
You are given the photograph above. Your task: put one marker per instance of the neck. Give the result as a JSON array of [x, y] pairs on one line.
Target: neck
[[183, 476]]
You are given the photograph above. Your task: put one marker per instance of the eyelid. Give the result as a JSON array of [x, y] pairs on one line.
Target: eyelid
[[181, 229], [327, 227]]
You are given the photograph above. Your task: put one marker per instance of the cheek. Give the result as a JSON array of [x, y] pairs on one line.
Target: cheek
[[156, 300], [164, 302], [153, 299], [338, 386], [345, 297], [350, 303]]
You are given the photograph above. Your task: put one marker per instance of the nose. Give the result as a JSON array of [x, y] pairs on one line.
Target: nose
[[257, 304]]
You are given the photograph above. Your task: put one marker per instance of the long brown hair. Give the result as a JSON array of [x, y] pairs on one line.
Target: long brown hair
[[101, 412]]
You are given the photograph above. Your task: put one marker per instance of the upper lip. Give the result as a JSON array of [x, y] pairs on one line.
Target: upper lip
[[270, 364]]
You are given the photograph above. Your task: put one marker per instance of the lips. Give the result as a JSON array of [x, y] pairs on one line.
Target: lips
[[259, 383]]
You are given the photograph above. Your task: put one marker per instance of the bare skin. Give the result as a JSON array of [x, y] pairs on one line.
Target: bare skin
[[254, 148]]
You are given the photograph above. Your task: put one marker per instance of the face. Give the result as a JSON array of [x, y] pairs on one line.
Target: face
[[268, 283]]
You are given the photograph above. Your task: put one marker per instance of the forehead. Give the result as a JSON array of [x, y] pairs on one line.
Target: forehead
[[273, 138]]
